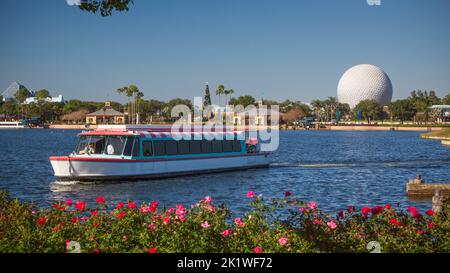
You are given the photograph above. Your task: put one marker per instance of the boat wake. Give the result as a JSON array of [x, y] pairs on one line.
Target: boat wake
[[386, 164]]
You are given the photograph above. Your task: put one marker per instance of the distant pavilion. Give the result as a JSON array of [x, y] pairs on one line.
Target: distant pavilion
[[106, 115]]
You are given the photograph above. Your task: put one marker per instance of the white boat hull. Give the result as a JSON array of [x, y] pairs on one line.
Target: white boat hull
[[91, 169]]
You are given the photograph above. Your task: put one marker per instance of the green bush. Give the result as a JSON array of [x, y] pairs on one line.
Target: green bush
[[277, 225]]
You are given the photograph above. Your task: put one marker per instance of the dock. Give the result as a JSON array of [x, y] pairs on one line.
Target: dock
[[418, 188]]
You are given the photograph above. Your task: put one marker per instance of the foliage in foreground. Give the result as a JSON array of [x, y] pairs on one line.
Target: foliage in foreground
[[278, 225]]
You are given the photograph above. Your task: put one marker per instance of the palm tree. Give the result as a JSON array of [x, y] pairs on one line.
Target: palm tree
[[131, 91], [228, 92], [220, 91]]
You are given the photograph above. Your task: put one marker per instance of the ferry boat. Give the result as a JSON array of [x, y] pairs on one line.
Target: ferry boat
[[13, 125], [127, 153]]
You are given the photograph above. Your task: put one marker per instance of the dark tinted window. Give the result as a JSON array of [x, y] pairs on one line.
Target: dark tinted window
[[195, 146], [183, 147], [206, 146], [236, 145], [147, 148], [136, 147], [216, 146], [128, 147], [171, 147], [227, 146], [160, 148]]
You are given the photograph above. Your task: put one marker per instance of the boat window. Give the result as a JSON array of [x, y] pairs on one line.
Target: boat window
[[115, 145], [160, 148], [129, 146], [217, 146], [171, 147], [136, 147], [206, 146], [183, 147], [236, 145], [147, 148], [227, 146], [91, 145], [195, 146]]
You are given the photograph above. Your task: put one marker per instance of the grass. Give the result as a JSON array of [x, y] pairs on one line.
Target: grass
[[441, 134]]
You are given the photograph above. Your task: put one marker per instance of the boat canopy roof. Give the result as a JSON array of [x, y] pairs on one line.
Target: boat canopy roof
[[158, 134]]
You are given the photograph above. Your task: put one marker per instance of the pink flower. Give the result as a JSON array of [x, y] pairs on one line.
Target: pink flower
[[430, 212], [131, 205], [341, 214], [227, 232], [100, 200], [239, 222], [120, 205], [207, 199], [80, 206], [317, 221], [351, 208], [302, 209], [312, 205], [68, 202], [97, 251], [283, 241], [166, 221], [250, 194], [257, 249], [205, 224], [152, 226], [154, 204], [331, 224]]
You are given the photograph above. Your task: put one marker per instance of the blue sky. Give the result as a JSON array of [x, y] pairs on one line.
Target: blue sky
[[275, 49]]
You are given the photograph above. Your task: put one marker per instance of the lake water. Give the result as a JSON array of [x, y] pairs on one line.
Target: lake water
[[336, 169]]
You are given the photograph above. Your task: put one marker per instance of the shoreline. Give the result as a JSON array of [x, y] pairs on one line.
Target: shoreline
[[328, 128]]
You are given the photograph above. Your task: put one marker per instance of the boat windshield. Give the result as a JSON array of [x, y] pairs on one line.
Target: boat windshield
[[90, 145]]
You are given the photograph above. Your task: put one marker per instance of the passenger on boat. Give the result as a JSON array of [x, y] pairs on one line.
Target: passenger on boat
[[89, 149]]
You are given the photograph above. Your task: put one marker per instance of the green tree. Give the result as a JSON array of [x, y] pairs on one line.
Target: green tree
[[207, 98], [106, 7], [446, 100], [42, 94], [370, 109], [228, 92], [22, 94], [132, 92], [220, 91], [242, 100], [402, 110]]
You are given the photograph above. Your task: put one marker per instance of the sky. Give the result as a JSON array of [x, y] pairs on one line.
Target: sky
[[285, 49]]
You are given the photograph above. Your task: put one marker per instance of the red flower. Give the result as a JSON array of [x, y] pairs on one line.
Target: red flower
[[41, 221], [131, 205], [100, 200], [341, 214], [419, 231], [154, 204], [121, 214], [430, 225], [250, 194], [395, 222], [96, 224], [414, 212], [257, 249], [55, 205], [166, 221], [351, 208], [74, 220], [68, 202], [287, 194], [365, 211], [376, 210], [80, 206], [120, 205], [94, 212], [152, 250], [430, 212], [97, 250], [387, 206]]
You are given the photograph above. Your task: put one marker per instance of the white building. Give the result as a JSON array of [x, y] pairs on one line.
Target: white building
[[58, 99]]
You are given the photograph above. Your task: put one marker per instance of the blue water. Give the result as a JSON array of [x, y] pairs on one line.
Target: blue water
[[336, 169]]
